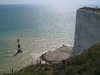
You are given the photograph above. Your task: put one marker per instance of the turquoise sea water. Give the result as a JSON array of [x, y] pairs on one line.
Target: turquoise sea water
[[40, 28]]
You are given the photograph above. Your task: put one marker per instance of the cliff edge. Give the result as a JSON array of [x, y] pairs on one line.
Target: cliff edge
[[87, 32]]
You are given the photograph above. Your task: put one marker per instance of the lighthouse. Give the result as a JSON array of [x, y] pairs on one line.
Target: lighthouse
[[19, 50]]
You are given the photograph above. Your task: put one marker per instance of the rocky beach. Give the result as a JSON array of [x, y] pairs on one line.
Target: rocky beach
[[57, 55]]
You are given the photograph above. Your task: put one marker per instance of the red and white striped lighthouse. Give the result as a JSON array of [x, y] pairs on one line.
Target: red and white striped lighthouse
[[19, 50], [18, 44]]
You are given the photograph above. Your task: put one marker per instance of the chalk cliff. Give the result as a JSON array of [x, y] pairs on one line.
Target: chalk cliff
[[87, 32]]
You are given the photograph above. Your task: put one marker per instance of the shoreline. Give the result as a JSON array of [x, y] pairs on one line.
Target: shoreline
[[56, 55]]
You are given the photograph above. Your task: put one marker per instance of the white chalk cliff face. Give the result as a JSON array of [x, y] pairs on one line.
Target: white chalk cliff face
[[87, 32]]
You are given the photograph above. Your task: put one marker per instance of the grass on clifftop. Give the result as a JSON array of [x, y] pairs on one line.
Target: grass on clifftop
[[91, 9], [87, 63]]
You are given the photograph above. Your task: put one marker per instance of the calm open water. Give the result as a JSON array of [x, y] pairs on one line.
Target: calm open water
[[39, 28]]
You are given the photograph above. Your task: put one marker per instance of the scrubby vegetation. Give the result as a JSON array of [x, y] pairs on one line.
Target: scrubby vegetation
[[86, 63], [92, 9]]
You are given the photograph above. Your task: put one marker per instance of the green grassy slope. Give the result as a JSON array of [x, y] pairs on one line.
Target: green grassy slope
[[87, 63]]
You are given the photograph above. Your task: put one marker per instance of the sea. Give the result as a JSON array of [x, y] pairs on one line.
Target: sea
[[38, 27]]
